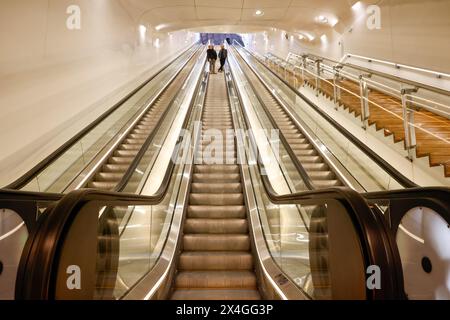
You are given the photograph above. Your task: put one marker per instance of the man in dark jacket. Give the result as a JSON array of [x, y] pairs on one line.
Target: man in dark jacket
[[211, 55], [223, 55]]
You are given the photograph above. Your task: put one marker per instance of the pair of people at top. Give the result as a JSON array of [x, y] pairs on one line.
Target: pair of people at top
[[212, 56]]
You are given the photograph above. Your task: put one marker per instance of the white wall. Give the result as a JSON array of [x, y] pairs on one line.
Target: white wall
[[54, 81], [413, 32]]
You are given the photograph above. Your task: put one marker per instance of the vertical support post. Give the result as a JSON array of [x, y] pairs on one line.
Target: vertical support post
[[408, 122], [295, 77], [318, 61], [304, 65], [336, 89], [364, 95]]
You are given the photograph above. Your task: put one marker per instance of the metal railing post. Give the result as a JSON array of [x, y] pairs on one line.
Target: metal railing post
[[336, 89], [295, 77], [408, 122], [304, 62], [318, 61], [364, 94]]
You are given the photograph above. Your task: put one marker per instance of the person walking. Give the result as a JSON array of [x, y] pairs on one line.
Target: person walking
[[223, 55], [211, 55]]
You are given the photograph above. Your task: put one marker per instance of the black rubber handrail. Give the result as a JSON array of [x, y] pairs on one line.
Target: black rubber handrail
[[25, 204], [401, 201], [27, 177], [38, 262], [397, 175], [17, 195], [378, 245]]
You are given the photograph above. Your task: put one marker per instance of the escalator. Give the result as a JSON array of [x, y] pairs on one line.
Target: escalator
[[117, 164], [215, 229], [315, 165], [216, 261]]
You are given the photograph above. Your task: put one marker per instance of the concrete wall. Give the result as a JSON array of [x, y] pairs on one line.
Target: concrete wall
[[54, 81]]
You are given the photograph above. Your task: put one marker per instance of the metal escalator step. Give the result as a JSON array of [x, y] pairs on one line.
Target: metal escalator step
[[216, 187], [134, 141], [215, 226], [305, 146], [102, 185], [108, 177], [212, 199], [327, 183], [216, 279], [130, 147], [216, 169], [216, 212], [115, 168], [322, 175], [125, 153], [121, 160], [305, 153], [310, 159], [216, 242], [145, 132], [315, 166], [216, 177], [215, 260], [137, 136], [287, 127]]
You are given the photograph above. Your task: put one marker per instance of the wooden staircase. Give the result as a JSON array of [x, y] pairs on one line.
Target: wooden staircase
[[432, 131]]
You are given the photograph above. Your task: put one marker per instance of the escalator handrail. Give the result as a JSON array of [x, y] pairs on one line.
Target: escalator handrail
[[397, 175], [436, 198], [28, 176], [16, 195], [45, 242], [372, 231]]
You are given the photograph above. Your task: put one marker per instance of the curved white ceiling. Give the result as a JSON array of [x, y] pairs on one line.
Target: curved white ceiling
[[239, 15]]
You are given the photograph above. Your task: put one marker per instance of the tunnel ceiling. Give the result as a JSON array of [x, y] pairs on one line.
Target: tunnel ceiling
[[240, 15]]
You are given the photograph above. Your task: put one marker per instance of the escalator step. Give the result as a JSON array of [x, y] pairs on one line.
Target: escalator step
[[216, 279], [216, 226], [215, 260], [216, 242]]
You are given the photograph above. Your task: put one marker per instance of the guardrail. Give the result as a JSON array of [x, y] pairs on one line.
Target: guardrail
[[314, 69]]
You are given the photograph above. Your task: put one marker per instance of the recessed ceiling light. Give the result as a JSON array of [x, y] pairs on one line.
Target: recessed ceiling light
[[334, 22], [357, 6], [322, 19], [259, 13]]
